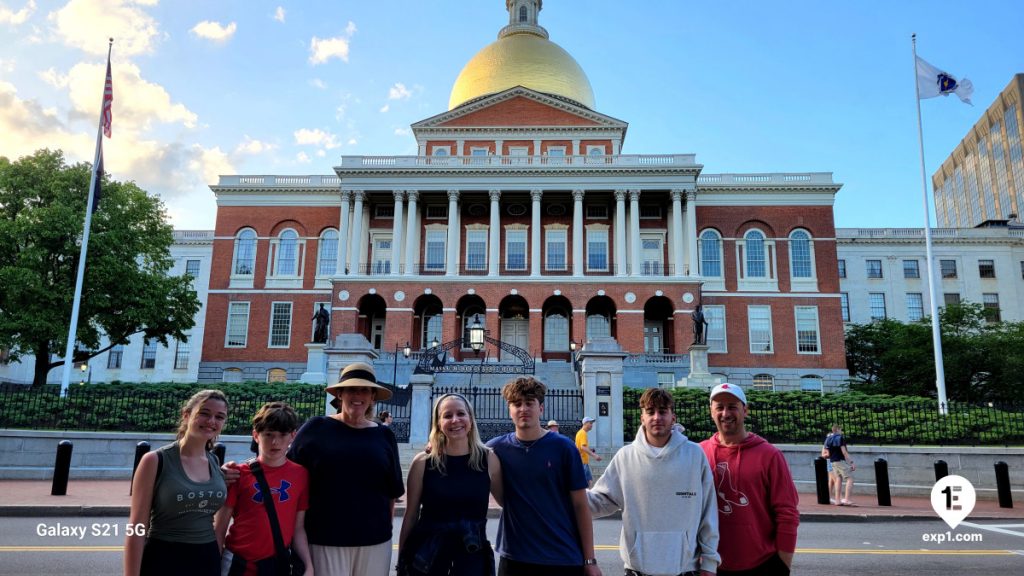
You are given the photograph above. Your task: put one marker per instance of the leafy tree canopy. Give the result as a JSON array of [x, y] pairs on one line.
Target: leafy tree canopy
[[126, 289]]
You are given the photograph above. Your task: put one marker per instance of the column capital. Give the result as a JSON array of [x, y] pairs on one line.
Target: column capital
[[691, 195], [620, 195], [453, 195], [677, 194], [359, 195], [577, 195], [399, 195], [495, 195], [536, 194], [634, 194], [414, 195], [346, 195]]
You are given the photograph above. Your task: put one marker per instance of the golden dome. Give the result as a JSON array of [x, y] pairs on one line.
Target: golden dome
[[522, 59]]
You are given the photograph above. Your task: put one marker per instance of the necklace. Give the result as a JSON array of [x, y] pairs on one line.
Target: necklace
[[527, 444]]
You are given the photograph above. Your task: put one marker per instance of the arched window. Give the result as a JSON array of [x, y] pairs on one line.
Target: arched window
[[764, 382], [287, 253], [556, 330], [245, 253], [710, 254], [469, 316], [277, 375], [327, 259], [810, 383], [522, 13], [232, 375], [755, 254], [800, 262], [598, 326]]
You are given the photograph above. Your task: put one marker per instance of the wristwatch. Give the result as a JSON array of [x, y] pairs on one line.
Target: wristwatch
[[590, 562]]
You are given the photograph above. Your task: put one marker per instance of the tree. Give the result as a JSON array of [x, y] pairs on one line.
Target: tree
[[126, 288]]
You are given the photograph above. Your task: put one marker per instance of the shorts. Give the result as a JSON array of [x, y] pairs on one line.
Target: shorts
[[588, 474], [842, 470]]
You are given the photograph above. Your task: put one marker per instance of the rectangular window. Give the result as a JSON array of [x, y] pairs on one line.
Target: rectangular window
[[385, 211], [597, 211], [874, 268], [148, 354], [238, 325], [280, 324], [666, 379], [515, 249], [434, 251], [807, 337], [911, 269], [844, 305], [651, 254], [437, 211], [115, 356], [192, 268], [987, 268], [915, 306], [950, 298], [382, 246], [991, 302], [842, 268], [715, 315], [476, 250], [597, 250], [181, 354], [876, 302], [650, 212], [554, 250], [948, 268], [759, 322]]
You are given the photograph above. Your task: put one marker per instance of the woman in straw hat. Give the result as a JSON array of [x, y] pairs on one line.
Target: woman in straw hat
[[354, 479], [444, 530]]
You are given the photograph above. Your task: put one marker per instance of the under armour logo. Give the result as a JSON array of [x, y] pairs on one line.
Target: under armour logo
[[282, 492]]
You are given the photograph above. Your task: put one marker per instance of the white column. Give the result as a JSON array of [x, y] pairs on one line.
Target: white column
[[452, 262], [634, 233], [577, 232], [535, 196], [620, 232], [494, 233], [396, 233], [356, 264], [346, 199], [691, 231], [411, 233], [677, 232]]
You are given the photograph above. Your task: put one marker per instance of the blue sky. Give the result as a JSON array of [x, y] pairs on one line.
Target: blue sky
[[251, 87]]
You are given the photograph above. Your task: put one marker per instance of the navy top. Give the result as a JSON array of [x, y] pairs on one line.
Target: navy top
[[354, 473], [835, 443], [460, 494], [538, 523]]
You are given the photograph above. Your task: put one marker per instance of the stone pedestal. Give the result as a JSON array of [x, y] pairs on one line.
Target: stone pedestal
[[419, 413], [316, 364], [699, 376], [601, 369]]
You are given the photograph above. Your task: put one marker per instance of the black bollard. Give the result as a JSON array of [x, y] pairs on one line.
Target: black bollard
[[62, 468], [882, 482], [941, 470], [1003, 485], [219, 450], [821, 480], [140, 450]]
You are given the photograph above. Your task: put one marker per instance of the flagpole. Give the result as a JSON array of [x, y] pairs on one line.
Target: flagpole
[[940, 373], [73, 329]]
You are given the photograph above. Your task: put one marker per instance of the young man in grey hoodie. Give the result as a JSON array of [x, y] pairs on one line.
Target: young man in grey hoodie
[[663, 484]]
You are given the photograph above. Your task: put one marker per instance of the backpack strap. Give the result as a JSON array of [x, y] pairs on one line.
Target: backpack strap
[[268, 502]]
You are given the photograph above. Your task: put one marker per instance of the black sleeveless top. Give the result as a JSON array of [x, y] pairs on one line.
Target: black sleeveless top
[[460, 494]]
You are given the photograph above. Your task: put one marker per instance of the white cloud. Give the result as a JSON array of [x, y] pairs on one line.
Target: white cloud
[[6, 65], [316, 137], [249, 146], [53, 78], [402, 132], [214, 31], [399, 92], [321, 153], [85, 24], [318, 83], [279, 14], [8, 16], [302, 158], [352, 142], [323, 49], [137, 102], [385, 108]]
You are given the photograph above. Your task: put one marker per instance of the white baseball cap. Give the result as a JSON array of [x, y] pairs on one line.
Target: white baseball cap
[[726, 388]]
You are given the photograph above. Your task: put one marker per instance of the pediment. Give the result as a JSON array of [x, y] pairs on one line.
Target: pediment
[[520, 107]]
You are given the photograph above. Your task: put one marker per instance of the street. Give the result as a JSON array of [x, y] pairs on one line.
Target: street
[[89, 546]]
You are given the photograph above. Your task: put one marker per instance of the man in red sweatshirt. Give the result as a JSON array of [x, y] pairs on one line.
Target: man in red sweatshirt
[[757, 500]]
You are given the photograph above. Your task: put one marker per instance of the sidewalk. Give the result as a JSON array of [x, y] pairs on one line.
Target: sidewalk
[[110, 498]]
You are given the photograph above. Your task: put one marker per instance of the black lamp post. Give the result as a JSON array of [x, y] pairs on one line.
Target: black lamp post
[[405, 352]]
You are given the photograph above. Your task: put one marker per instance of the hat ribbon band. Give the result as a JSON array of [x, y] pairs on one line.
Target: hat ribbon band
[[361, 374]]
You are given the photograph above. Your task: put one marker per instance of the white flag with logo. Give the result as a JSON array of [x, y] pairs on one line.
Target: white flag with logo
[[932, 82]]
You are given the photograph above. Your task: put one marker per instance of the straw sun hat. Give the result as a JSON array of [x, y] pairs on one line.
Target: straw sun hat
[[360, 374]]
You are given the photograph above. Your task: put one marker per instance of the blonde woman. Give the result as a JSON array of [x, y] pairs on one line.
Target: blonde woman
[[444, 528], [175, 494]]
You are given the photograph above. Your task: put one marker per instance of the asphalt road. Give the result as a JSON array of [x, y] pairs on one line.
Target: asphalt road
[[824, 548]]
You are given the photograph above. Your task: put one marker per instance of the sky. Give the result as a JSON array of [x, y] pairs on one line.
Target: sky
[[210, 87]]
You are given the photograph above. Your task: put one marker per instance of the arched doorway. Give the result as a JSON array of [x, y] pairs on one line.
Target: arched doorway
[[468, 309], [658, 326], [600, 318], [372, 318], [557, 328], [514, 312], [428, 319]]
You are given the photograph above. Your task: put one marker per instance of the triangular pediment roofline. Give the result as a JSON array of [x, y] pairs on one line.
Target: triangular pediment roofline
[[600, 121]]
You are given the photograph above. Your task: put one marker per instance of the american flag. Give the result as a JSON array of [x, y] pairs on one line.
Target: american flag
[[108, 101]]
